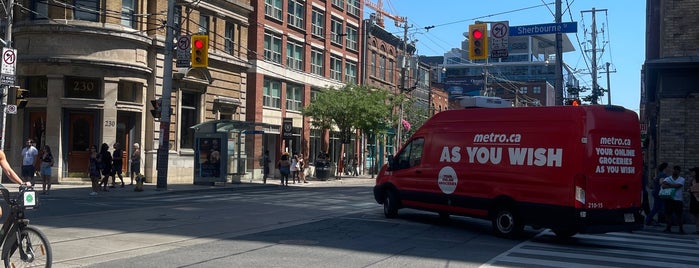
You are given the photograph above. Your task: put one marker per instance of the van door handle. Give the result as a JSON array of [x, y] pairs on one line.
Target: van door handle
[[418, 171]]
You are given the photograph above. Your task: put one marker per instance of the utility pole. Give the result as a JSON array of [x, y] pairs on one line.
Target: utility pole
[[595, 87], [609, 86], [164, 145], [6, 88], [403, 71], [559, 58]]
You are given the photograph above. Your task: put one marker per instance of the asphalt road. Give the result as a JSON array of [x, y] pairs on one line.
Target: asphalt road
[[315, 225]]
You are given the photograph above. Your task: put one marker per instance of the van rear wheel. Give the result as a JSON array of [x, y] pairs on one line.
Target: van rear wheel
[[390, 204], [506, 223]]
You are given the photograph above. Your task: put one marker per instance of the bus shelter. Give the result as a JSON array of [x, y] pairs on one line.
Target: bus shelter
[[224, 151]]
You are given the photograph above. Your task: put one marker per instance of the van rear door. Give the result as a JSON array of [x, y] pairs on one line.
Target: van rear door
[[613, 167]]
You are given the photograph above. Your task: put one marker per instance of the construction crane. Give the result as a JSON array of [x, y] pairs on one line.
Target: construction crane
[[378, 7]]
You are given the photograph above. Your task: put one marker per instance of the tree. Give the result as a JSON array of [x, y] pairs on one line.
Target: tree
[[349, 108], [416, 115]]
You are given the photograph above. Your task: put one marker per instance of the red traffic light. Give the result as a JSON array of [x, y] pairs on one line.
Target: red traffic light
[[477, 34], [198, 44]]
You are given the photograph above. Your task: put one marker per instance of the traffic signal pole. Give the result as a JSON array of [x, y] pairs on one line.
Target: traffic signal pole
[[6, 88], [164, 144]]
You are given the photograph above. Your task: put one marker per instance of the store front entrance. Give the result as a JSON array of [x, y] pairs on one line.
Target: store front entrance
[[81, 133]]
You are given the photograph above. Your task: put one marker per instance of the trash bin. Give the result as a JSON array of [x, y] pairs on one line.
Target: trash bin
[[322, 170]]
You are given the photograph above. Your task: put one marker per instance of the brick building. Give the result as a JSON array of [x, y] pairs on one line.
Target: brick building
[[670, 86], [295, 48]]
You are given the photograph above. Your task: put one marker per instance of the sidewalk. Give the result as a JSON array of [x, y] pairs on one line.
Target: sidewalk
[[78, 189]]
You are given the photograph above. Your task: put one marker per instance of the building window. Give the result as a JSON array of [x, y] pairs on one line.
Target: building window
[[336, 31], [373, 63], [273, 47], [128, 13], [294, 97], [203, 24], [318, 23], [336, 67], [296, 13], [82, 87], [128, 91], [273, 8], [536, 90], [382, 67], [391, 70], [41, 9], [294, 55], [350, 72], [188, 117], [353, 7], [38, 86], [88, 10], [340, 4], [317, 58], [352, 37], [271, 94], [229, 43], [523, 90]]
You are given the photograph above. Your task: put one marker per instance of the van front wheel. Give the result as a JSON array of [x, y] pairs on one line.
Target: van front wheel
[[506, 223], [390, 204]]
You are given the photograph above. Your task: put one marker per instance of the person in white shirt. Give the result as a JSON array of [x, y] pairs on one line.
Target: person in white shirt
[[29, 154], [7, 169], [674, 205]]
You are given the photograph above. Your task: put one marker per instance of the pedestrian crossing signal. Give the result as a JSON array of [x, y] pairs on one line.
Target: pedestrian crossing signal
[[21, 97], [157, 108]]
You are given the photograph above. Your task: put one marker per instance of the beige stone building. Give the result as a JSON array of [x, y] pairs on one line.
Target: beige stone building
[[92, 68]]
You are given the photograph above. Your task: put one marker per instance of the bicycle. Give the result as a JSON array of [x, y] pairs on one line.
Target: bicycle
[[22, 245]]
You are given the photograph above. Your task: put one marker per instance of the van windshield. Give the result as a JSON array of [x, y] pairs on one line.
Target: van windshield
[[411, 154]]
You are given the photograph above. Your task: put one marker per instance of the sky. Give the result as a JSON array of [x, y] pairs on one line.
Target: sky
[[622, 43]]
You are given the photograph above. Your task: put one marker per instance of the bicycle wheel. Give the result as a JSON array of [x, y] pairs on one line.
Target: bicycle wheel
[[35, 250]]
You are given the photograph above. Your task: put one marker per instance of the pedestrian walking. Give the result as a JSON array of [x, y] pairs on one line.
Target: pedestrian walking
[[284, 166], [117, 163], [45, 169], [694, 198], [106, 160], [94, 169], [265, 166], [302, 168], [135, 162], [658, 204], [294, 169], [355, 166], [674, 205], [29, 154]]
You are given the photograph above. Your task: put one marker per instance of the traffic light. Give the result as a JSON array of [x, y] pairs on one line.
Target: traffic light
[[573, 102], [157, 108], [21, 97], [478, 41], [200, 51]]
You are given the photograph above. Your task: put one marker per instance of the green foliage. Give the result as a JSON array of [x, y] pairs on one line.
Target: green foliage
[[350, 107], [416, 115]]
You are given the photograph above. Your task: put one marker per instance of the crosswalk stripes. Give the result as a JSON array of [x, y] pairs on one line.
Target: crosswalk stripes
[[640, 249]]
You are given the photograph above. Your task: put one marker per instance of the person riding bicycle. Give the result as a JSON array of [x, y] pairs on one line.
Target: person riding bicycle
[[10, 173]]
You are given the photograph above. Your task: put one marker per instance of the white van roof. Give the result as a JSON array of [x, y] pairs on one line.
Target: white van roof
[[484, 102]]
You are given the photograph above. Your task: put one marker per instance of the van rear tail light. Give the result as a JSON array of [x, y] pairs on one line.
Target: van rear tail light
[[580, 186]]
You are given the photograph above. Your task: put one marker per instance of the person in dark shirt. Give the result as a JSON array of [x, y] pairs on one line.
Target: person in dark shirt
[[106, 160], [117, 163]]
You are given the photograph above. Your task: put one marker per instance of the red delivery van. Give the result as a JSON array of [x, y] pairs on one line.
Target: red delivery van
[[570, 169]]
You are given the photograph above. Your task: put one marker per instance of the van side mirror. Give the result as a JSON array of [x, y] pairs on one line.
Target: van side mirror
[[390, 162]]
